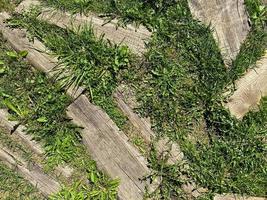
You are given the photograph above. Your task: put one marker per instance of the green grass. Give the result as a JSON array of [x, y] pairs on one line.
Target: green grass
[[81, 6], [255, 45], [179, 84], [13, 186]]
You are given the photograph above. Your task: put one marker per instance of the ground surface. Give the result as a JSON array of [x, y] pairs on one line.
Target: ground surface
[[170, 105]]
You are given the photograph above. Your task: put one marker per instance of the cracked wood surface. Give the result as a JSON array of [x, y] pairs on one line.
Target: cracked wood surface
[[249, 90], [229, 20], [130, 36], [110, 149], [34, 173]]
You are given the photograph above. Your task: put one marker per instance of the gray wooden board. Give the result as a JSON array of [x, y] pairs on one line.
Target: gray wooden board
[[122, 97], [34, 174], [37, 52], [23, 137], [110, 149], [130, 36], [229, 20], [249, 90], [27, 140], [126, 101]]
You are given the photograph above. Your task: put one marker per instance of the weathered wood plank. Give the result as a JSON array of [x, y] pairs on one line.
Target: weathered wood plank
[[110, 149], [28, 141], [123, 95], [9, 126], [249, 90], [126, 101], [34, 174], [236, 197], [229, 20], [37, 52], [130, 36]]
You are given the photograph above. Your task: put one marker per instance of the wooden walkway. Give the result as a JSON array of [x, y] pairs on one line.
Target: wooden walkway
[[107, 145], [102, 138]]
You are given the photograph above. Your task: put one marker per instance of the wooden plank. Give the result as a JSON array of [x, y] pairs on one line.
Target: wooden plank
[[28, 141], [229, 20], [130, 36], [126, 101], [249, 90], [236, 197], [9, 126], [34, 174], [110, 149], [37, 53]]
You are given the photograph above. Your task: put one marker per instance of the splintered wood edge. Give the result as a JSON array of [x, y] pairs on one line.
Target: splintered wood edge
[[35, 175], [249, 90], [132, 37]]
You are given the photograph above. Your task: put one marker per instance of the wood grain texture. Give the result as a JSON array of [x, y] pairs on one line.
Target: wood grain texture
[[8, 126], [110, 149], [249, 90], [229, 20], [130, 36], [34, 173], [236, 197]]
